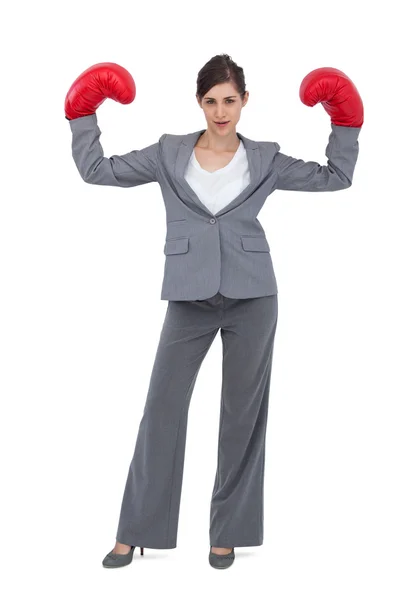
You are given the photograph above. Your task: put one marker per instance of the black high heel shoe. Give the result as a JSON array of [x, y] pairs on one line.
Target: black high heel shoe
[[114, 560], [221, 561]]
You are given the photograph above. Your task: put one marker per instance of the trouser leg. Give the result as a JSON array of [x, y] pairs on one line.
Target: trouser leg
[[248, 331], [151, 501]]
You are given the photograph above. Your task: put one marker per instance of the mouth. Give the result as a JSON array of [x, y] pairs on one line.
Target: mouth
[[221, 124]]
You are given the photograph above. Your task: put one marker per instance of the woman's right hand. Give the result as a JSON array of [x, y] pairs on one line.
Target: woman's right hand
[[93, 86]]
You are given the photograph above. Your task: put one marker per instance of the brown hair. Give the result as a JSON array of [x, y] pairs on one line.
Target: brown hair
[[220, 69]]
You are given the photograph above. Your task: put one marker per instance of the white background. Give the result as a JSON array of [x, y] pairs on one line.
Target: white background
[[80, 274]]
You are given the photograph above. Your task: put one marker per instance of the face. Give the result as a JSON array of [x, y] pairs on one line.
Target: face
[[222, 103]]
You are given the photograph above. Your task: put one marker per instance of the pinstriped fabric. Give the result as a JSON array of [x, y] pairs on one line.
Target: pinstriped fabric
[[227, 252]]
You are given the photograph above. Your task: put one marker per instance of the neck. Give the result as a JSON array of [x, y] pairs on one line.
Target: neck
[[219, 143]]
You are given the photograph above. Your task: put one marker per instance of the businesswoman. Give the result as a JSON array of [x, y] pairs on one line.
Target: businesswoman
[[218, 277]]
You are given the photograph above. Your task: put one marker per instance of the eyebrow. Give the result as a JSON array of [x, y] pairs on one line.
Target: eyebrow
[[226, 97]]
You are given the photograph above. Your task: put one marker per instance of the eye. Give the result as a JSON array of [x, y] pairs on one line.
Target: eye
[[229, 100]]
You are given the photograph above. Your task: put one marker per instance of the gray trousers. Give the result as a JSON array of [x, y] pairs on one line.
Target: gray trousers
[[151, 501]]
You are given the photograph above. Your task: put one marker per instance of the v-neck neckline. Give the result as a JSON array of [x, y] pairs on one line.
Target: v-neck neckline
[[225, 168]]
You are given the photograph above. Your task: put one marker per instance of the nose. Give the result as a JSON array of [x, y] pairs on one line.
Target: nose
[[220, 117]]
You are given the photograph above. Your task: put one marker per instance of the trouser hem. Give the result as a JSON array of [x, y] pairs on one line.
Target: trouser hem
[[144, 544], [221, 544]]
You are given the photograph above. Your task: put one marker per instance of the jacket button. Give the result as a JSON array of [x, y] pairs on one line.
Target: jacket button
[[212, 221]]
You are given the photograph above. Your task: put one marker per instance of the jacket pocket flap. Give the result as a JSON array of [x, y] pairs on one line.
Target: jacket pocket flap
[[255, 243], [176, 246]]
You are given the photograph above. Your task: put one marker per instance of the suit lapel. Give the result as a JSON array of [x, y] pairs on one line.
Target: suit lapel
[[184, 153]]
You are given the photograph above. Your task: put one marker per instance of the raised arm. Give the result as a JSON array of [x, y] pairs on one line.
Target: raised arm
[[341, 100], [86, 94], [127, 170], [309, 176]]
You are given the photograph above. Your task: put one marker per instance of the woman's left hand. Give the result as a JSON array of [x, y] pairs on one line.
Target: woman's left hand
[[337, 94]]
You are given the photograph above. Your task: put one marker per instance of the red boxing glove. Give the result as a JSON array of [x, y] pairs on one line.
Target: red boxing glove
[[93, 86], [337, 94]]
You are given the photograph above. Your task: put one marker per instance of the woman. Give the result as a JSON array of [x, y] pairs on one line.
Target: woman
[[218, 277]]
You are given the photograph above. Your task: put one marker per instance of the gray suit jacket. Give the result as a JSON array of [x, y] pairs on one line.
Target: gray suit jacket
[[227, 252]]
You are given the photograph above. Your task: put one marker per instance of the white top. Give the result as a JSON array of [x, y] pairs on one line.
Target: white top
[[219, 188]]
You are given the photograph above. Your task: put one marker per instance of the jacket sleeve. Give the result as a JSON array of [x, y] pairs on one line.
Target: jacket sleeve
[[342, 153], [127, 170]]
